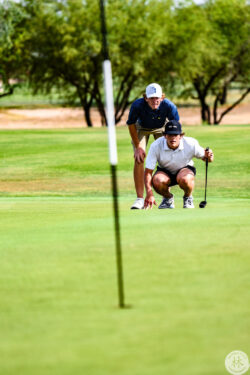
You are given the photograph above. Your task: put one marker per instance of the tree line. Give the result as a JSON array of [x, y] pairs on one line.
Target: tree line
[[193, 51]]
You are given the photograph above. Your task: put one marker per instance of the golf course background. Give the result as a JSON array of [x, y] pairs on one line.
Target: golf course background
[[186, 271]]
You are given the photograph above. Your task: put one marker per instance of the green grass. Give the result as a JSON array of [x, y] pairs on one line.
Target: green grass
[[186, 271], [23, 97]]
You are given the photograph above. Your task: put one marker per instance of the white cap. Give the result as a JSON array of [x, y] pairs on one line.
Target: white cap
[[153, 91]]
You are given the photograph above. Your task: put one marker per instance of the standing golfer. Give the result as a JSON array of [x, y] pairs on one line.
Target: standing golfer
[[147, 115], [173, 153]]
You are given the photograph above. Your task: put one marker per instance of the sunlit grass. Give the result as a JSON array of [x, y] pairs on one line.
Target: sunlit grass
[[186, 272]]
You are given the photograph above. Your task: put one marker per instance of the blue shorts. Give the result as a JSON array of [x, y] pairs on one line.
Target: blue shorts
[[173, 176]]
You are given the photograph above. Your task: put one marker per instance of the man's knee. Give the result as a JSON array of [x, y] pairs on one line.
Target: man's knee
[[185, 180], [159, 179], [139, 164]]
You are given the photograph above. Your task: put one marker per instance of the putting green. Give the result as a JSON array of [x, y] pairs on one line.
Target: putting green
[[186, 271]]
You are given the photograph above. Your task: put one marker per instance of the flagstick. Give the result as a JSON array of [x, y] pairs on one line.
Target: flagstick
[[107, 71]]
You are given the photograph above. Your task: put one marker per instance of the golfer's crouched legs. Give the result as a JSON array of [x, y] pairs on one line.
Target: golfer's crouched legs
[[185, 179], [161, 182]]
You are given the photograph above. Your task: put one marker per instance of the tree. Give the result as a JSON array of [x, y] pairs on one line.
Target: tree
[[135, 31], [65, 45], [13, 56], [64, 42], [209, 49], [232, 29]]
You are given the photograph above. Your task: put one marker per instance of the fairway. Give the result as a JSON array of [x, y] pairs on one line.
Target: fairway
[[186, 271]]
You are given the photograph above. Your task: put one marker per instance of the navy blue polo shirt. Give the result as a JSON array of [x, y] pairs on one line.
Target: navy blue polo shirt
[[150, 118]]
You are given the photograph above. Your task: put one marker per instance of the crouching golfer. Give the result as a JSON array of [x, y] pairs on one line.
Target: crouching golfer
[[173, 152], [147, 116]]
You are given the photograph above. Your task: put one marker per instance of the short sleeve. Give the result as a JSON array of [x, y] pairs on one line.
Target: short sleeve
[[199, 152], [172, 112], [133, 114], [173, 115], [151, 159]]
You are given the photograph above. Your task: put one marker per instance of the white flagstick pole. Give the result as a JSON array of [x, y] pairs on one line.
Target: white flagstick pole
[[110, 111], [108, 88]]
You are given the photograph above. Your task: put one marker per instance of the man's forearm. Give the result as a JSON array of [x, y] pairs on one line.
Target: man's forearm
[[149, 201], [148, 181], [134, 135]]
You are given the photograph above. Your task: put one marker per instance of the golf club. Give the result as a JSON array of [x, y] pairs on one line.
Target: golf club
[[204, 203]]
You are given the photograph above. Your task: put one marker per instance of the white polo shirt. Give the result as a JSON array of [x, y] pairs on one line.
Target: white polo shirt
[[173, 160]]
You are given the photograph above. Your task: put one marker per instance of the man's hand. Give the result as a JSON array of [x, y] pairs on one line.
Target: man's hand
[[139, 155], [149, 201], [209, 155]]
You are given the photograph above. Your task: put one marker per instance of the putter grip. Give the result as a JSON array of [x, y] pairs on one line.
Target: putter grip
[[207, 158]]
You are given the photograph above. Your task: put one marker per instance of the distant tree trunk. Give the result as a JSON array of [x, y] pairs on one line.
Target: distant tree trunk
[[218, 120], [215, 121], [223, 96], [7, 93], [8, 89], [202, 87], [86, 105], [202, 93], [205, 112], [87, 115], [122, 98], [101, 108], [96, 92], [121, 101]]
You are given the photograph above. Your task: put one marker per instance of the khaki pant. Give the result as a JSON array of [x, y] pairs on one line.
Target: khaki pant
[[143, 135]]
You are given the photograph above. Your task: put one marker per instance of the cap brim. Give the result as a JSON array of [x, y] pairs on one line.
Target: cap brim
[[172, 133], [154, 96]]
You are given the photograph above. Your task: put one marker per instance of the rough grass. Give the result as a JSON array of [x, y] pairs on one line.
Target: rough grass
[[186, 271]]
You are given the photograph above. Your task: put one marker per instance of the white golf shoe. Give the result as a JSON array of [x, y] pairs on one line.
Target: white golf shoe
[[188, 202], [138, 204]]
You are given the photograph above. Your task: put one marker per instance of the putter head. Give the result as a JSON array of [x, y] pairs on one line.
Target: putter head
[[203, 204]]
